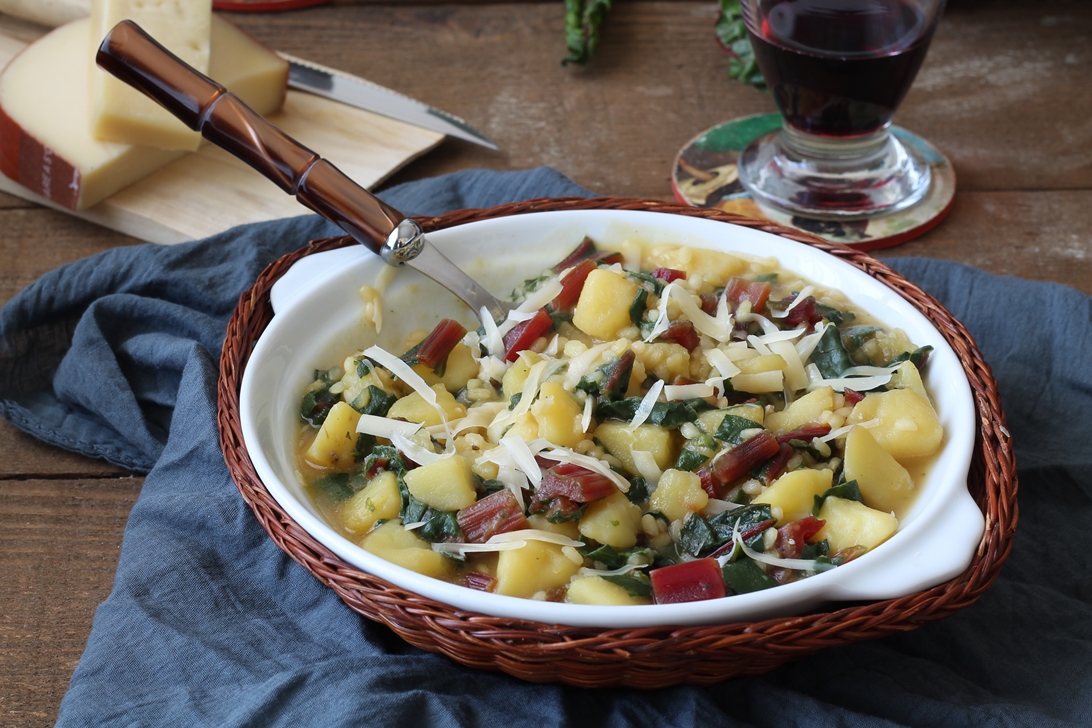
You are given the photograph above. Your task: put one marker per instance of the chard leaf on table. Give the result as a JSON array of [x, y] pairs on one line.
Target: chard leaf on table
[[732, 34], [583, 19]]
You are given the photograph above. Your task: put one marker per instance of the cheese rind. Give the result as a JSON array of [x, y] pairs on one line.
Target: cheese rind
[[45, 140], [120, 113]]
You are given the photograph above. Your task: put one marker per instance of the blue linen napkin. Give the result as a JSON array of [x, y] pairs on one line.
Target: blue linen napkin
[[211, 624]]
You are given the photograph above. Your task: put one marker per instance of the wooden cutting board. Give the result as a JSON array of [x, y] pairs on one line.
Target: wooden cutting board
[[210, 191]]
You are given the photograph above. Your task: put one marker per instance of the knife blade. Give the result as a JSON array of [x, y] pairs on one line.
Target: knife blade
[[355, 91], [302, 75]]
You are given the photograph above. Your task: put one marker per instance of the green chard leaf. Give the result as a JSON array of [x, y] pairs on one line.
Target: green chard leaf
[[583, 19], [373, 401], [637, 308], [664, 414], [919, 357], [731, 31], [636, 584], [830, 355], [732, 427], [745, 576], [690, 460], [848, 490], [614, 558]]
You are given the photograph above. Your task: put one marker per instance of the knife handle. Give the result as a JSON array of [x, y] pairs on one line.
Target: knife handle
[[203, 105]]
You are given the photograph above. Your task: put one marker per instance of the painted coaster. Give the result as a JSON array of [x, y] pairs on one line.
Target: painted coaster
[[264, 6], [705, 175]]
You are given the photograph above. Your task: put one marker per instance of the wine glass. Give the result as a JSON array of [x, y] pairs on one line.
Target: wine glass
[[837, 70]]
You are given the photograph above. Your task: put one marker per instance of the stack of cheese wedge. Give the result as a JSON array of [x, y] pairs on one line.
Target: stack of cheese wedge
[[75, 135]]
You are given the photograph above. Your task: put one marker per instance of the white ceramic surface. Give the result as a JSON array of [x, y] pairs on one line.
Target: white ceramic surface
[[318, 322]]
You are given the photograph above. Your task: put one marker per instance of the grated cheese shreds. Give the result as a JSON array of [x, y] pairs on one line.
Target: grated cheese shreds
[[714, 506], [867, 371], [416, 453], [547, 292], [720, 361], [580, 364], [383, 427], [711, 326], [795, 375], [807, 345], [788, 335], [620, 571], [804, 293], [480, 415], [843, 431], [403, 371], [506, 542], [514, 480], [523, 458], [646, 466], [662, 321], [493, 341], [675, 392], [758, 345], [535, 534], [647, 403], [586, 416], [565, 455], [798, 564], [768, 327], [861, 384]]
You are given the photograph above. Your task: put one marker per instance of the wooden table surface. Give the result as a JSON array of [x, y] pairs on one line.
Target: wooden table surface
[[1006, 93]]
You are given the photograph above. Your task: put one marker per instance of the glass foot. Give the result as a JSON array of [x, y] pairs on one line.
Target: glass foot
[[833, 178]]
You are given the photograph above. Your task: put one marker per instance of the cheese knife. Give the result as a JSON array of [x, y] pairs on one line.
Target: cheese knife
[[302, 75]]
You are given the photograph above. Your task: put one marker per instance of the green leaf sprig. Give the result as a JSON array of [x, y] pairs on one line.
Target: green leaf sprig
[[732, 33], [583, 19]]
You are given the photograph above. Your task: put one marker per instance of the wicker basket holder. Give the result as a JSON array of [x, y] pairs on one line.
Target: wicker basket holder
[[647, 657]]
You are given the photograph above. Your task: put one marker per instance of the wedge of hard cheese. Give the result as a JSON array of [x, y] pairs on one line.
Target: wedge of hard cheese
[[46, 143], [120, 113]]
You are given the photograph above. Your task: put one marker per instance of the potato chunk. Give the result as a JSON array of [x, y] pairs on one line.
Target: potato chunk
[[885, 485], [620, 442], [907, 376], [677, 494], [794, 493], [612, 521], [603, 308], [715, 267], [909, 426], [336, 439], [447, 485], [558, 415], [514, 378], [807, 409], [459, 368], [710, 420], [536, 567], [404, 548], [414, 408], [597, 590], [849, 523], [379, 500]]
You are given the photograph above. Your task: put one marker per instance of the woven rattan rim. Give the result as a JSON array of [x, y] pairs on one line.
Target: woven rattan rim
[[645, 657]]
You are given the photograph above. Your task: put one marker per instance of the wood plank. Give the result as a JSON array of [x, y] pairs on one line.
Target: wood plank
[[1038, 235], [60, 543], [37, 240], [1003, 91]]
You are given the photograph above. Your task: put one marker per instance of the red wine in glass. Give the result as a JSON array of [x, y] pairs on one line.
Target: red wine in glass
[[838, 70], [837, 67]]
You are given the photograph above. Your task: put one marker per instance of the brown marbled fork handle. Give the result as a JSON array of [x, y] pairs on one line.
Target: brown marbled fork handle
[[203, 105]]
